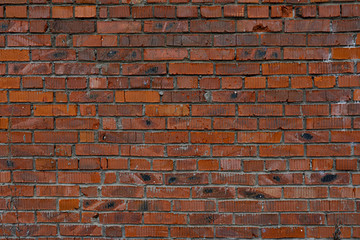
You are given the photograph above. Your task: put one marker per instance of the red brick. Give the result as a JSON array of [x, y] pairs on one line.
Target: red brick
[[62, 11], [187, 11], [8, 55], [85, 11], [118, 27], [146, 231], [258, 11], [283, 232]]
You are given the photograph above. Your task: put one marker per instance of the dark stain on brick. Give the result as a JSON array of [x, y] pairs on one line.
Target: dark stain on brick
[[210, 219], [169, 26], [110, 205], [10, 163], [234, 95], [192, 178], [158, 25], [16, 68], [298, 12], [111, 53], [276, 178], [260, 28], [285, 10], [306, 136], [145, 177], [260, 54], [329, 178], [171, 180], [133, 54], [274, 55], [208, 190], [148, 122], [59, 54], [259, 196], [87, 203], [4, 26], [255, 195], [144, 206], [152, 70]]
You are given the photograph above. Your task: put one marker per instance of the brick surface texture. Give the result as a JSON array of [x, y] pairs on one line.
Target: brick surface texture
[[179, 119]]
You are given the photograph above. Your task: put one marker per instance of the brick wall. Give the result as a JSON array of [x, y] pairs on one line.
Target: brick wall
[[177, 119]]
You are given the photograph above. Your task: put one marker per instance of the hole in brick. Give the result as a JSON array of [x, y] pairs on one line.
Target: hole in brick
[[145, 177], [234, 95], [172, 179], [329, 178], [208, 190], [111, 53], [276, 178], [259, 196], [306, 136], [110, 205]]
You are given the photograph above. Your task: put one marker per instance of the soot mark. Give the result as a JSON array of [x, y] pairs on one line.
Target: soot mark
[[306, 136], [171, 180], [148, 122], [276, 178], [234, 95], [208, 190], [152, 70], [329, 178], [145, 177]]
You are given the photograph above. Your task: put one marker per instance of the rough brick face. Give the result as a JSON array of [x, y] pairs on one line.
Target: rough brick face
[[179, 119]]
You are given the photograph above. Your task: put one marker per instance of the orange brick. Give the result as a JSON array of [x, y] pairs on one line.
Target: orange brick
[[85, 11]]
